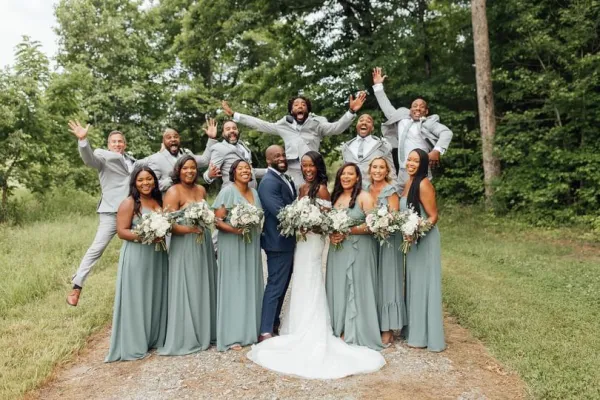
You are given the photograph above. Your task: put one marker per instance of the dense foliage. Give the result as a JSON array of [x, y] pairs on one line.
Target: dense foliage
[[140, 66]]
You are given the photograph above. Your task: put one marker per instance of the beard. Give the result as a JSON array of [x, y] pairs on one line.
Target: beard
[[278, 167], [232, 139]]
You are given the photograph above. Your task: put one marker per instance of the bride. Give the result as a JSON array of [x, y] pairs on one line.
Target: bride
[[307, 347]]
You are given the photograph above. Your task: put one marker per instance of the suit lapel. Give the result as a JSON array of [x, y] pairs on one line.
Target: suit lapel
[[349, 153], [283, 182], [373, 149]]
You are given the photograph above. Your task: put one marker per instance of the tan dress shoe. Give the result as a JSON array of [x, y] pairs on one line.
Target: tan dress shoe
[[73, 297]]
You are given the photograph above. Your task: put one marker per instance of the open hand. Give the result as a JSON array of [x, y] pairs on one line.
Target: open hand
[[357, 103], [79, 130], [211, 129], [213, 171], [378, 77], [226, 108]]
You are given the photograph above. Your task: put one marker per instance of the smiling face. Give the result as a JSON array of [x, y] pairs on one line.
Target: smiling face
[[172, 141], [116, 143], [276, 158], [412, 163], [349, 177], [418, 109], [299, 110], [243, 173], [230, 132], [378, 170], [365, 125], [188, 172], [309, 169], [144, 183]]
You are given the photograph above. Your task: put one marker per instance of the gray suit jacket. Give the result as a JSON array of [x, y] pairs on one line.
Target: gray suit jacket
[[223, 155], [308, 137], [113, 173], [162, 163], [434, 133], [381, 149]]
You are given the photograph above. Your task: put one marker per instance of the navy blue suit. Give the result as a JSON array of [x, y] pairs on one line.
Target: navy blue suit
[[275, 194]]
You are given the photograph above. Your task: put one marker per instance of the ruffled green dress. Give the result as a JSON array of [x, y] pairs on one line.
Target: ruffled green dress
[[240, 282], [351, 285], [390, 276], [191, 324], [424, 291], [140, 311]]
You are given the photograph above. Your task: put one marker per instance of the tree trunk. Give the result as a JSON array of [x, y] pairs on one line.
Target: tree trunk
[[4, 203], [485, 97]]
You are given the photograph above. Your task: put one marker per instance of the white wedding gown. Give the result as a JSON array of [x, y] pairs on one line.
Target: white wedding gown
[[307, 347]]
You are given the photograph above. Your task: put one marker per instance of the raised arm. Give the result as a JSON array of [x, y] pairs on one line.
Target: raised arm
[[211, 132], [251, 122], [382, 99], [341, 125], [88, 155]]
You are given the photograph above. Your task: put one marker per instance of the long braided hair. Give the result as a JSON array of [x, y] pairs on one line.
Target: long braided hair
[[321, 178], [413, 199], [338, 189]]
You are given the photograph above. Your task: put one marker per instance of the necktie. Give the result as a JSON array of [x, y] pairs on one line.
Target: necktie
[[361, 147]]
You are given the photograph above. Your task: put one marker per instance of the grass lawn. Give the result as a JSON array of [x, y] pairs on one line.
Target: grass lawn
[[532, 296]]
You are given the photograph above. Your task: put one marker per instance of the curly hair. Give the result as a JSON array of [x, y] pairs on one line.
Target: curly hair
[[306, 100], [338, 189], [176, 173]]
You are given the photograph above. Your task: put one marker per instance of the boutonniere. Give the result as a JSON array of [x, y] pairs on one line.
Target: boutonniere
[[422, 119]]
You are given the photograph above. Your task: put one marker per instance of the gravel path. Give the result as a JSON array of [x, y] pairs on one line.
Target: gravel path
[[464, 371]]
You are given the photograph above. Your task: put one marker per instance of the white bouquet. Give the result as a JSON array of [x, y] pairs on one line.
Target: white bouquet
[[245, 216], [153, 228], [413, 228], [338, 222], [382, 223], [200, 215], [301, 216]]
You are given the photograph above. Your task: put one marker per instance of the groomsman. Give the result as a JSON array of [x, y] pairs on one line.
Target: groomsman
[[275, 192], [365, 147], [228, 151], [114, 167], [300, 130], [162, 163], [408, 129]]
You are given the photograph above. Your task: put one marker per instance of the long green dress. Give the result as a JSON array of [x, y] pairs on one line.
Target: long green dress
[[191, 324], [390, 274], [140, 310], [351, 285], [424, 291], [240, 282]]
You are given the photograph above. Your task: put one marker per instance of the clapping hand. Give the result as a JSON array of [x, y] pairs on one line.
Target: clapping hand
[[378, 77], [357, 103], [226, 108], [79, 130], [211, 129]]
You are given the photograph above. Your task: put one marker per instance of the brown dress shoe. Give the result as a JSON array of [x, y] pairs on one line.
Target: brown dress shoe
[[73, 297], [264, 337]]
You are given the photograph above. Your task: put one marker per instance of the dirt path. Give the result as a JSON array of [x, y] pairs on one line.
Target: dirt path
[[464, 371]]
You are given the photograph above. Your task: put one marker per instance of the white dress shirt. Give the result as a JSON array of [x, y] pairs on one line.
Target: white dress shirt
[[368, 146]]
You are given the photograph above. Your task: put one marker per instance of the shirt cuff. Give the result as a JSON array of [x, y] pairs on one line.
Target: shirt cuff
[[207, 178], [236, 117], [441, 150], [378, 87], [83, 142]]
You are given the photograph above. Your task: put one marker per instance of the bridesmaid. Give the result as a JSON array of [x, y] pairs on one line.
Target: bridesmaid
[[191, 325], [240, 284], [140, 311], [423, 264], [390, 299], [351, 278]]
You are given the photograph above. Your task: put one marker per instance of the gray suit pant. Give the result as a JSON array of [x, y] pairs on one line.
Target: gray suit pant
[[107, 228], [295, 172]]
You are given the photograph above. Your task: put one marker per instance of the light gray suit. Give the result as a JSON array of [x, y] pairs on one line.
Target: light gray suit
[[162, 163], [298, 139], [223, 155], [432, 131], [381, 149], [113, 170]]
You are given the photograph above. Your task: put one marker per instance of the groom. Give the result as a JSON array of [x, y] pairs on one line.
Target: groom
[[276, 190]]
